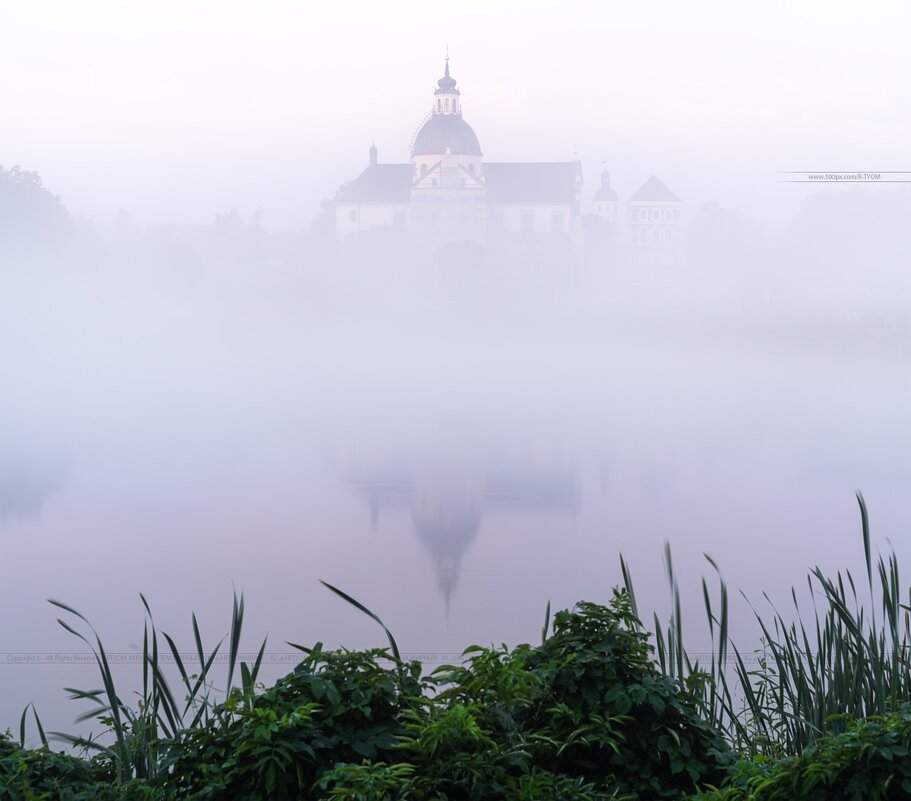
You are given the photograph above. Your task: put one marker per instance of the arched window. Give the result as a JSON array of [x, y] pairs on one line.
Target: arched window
[[455, 105], [656, 215], [439, 104], [656, 234], [643, 215], [669, 215], [446, 105]]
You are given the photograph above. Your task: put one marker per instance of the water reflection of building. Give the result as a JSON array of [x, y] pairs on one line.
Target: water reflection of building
[[448, 502]]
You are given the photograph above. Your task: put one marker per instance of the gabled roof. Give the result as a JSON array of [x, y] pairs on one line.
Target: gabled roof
[[530, 182], [654, 190], [379, 183]]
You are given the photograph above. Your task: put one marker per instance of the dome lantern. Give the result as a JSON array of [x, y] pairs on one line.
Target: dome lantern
[[446, 96]]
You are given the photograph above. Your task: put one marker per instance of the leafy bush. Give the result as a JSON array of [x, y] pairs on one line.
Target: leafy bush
[[40, 774], [587, 707], [584, 716], [587, 715], [870, 761], [334, 707]]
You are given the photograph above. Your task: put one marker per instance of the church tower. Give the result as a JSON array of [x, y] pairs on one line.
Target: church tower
[[448, 192]]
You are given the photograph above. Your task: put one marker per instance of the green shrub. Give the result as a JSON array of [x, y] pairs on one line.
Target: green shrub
[[40, 774], [334, 707], [870, 761], [587, 706], [584, 716]]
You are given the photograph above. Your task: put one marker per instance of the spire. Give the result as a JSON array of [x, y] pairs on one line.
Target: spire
[[373, 154], [446, 96]]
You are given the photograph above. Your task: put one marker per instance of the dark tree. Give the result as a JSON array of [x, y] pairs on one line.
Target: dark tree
[[29, 213]]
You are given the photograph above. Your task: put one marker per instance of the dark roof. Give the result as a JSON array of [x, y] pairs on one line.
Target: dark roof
[[553, 182], [447, 83], [446, 130], [605, 191], [379, 183], [653, 189]]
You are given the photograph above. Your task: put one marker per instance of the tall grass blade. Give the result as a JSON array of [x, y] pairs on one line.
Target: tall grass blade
[[366, 611]]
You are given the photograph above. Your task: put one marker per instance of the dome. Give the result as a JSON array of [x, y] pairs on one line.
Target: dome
[[443, 131]]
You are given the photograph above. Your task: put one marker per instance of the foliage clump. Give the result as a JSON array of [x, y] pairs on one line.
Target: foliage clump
[[584, 716], [335, 707], [587, 706], [40, 774], [870, 761]]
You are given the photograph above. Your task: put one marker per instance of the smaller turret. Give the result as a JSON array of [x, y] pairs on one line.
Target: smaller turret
[[605, 198]]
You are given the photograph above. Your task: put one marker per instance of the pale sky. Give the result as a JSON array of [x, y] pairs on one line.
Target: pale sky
[[174, 111]]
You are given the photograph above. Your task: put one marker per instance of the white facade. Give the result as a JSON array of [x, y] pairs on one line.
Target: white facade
[[654, 223], [352, 219]]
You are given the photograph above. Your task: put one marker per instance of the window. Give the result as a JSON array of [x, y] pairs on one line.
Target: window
[[656, 235], [656, 214], [669, 215], [556, 221], [439, 104], [455, 105], [352, 215], [471, 169], [528, 221], [643, 215], [446, 104], [399, 219], [666, 236]]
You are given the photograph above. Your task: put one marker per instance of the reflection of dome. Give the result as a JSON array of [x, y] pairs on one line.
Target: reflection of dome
[[446, 131], [447, 520]]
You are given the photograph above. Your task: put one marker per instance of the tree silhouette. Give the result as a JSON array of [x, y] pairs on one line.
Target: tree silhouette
[[29, 213]]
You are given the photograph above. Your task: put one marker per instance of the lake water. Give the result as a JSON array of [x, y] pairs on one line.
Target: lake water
[[452, 454]]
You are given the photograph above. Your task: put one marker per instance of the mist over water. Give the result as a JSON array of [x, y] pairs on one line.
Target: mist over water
[[200, 395], [453, 441]]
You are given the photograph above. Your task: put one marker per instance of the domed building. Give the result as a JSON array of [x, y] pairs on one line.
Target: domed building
[[448, 193]]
